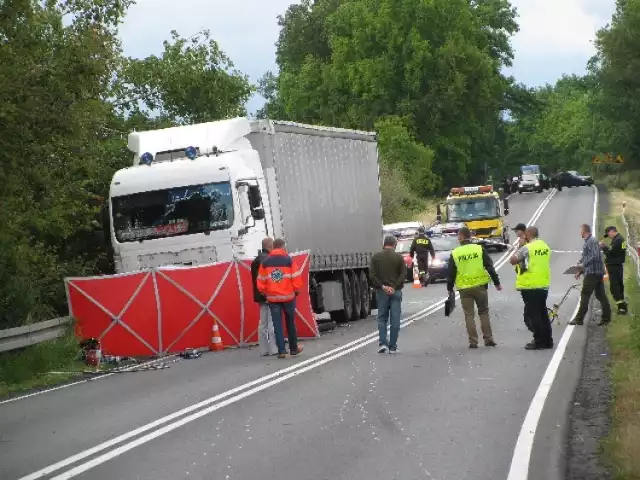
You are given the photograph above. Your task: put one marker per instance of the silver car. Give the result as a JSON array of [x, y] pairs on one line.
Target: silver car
[[529, 183]]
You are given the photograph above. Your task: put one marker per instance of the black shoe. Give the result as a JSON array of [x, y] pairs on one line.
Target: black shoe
[[576, 322], [473, 345], [490, 344], [534, 346], [603, 323]]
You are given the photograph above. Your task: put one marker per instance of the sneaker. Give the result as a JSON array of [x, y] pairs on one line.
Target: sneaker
[[382, 349], [282, 355], [393, 350], [298, 351], [473, 345], [490, 343], [576, 322]]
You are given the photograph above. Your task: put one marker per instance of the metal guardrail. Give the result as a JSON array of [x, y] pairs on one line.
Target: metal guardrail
[[633, 252], [20, 337]]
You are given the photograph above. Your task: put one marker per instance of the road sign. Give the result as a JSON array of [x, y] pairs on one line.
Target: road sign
[[595, 159], [608, 158], [619, 159]]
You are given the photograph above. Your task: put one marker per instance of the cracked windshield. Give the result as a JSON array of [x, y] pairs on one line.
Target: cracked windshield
[[176, 211]]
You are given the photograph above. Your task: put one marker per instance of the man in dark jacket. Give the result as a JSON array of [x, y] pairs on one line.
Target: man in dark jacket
[[422, 248], [615, 255], [388, 272], [266, 335]]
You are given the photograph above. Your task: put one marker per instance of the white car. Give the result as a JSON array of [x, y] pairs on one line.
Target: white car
[[404, 229], [529, 183]]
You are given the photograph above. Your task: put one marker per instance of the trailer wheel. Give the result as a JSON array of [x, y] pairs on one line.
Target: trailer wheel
[[343, 316], [355, 295], [365, 296]]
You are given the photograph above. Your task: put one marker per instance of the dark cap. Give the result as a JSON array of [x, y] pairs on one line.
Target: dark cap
[[518, 227], [609, 229], [421, 230]]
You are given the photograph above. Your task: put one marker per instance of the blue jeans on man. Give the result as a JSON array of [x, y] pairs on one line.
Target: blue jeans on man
[[289, 310], [389, 311]]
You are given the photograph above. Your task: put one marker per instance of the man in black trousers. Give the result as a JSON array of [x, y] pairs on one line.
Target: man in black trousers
[[614, 257]]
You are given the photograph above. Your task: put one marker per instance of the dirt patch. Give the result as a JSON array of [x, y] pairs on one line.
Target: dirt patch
[[590, 419]]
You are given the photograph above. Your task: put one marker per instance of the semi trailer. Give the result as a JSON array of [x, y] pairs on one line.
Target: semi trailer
[[211, 192]]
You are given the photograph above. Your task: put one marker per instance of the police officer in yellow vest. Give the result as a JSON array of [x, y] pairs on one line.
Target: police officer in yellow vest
[[422, 248], [533, 277], [470, 268]]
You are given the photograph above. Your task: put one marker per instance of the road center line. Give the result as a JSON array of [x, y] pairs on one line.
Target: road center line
[[246, 389]]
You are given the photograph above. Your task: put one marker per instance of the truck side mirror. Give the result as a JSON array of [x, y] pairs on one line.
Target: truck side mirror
[[255, 202], [257, 213], [438, 213]]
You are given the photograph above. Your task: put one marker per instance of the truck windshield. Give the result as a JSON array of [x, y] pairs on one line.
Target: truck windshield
[[530, 169], [171, 212], [465, 209]]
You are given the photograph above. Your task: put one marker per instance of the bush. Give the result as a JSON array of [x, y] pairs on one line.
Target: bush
[[27, 367], [399, 203]]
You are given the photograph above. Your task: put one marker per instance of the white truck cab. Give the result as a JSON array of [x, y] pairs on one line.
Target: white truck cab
[[191, 197]]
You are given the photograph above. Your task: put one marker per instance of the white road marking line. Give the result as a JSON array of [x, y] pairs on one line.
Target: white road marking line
[[522, 453], [289, 371]]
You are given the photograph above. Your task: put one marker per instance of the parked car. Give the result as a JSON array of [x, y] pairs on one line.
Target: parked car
[[529, 183], [586, 180], [401, 229], [442, 244], [572, 179]]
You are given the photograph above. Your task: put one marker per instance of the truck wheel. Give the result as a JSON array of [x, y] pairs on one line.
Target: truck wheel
[[365, 296], [343, 316], [355, 295]]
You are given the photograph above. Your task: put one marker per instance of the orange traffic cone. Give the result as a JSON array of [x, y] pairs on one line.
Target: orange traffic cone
[[416, 277], [216, 339]]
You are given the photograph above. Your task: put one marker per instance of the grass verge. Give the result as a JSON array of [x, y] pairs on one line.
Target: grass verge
[[622, 447], [31, 367]]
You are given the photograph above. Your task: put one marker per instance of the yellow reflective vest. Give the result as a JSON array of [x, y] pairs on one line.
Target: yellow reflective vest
[[538, 272], [470, 266]]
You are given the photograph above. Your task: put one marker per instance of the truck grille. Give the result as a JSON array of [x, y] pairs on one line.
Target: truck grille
[[484, 231]]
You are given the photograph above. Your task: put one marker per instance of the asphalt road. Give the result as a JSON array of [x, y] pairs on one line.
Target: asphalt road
[[435, 411]]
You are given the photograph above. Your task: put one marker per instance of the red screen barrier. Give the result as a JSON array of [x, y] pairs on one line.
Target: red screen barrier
[[170, 309]]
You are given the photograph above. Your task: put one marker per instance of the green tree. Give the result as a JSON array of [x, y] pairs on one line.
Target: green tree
[[436, 64], [57, 61], [192, 81], [616, 65]]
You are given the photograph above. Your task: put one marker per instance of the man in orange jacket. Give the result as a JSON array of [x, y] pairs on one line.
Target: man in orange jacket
[[280, 283]]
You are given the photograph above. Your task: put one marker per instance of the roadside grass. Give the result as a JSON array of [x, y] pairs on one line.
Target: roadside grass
[[30, 367], [622, 447]]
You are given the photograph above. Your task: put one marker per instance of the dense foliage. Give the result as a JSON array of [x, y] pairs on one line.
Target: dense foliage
[[579, 118], [427, 76]]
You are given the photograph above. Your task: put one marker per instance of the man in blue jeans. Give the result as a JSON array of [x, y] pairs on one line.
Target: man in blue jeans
[[388, 273]]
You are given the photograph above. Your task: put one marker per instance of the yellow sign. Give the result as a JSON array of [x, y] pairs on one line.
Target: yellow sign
[[619, 159], [608, 158], [595, 159]]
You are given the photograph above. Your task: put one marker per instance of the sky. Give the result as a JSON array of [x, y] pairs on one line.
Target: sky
[[555, 37]]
